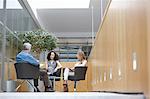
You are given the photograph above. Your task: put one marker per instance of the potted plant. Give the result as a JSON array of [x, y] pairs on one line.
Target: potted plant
[[41, 40]]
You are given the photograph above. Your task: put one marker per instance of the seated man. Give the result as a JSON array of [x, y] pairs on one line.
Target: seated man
[[25, 56]]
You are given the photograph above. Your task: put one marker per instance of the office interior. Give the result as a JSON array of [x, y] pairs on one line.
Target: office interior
[[114, 34]]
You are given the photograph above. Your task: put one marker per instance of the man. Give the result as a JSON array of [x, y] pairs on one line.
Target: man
[[25, 56]]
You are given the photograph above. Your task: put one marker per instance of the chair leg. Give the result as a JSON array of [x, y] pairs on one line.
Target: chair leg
[[19, 85], [54, 84], [31, 85], [75, 86]]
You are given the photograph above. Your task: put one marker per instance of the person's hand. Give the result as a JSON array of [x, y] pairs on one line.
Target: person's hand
[[55, 70], [72, 68]]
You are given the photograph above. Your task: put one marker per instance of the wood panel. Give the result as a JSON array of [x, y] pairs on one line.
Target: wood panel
[[122, 34], [148, 44]]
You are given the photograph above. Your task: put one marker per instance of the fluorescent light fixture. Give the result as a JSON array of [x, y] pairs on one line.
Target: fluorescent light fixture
[[58, 4], [134, 61], [110, 75], [119, 72], [105, 76], [101, 80], [134, 65], [119, 69]]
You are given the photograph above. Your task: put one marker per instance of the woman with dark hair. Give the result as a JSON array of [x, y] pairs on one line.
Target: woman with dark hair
[[53, 63]]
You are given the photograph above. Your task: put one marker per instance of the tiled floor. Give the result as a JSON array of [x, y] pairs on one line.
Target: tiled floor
[[62, 95]]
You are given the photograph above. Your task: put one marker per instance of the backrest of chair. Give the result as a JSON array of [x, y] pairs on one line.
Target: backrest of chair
[[26, 71], [80, 73]]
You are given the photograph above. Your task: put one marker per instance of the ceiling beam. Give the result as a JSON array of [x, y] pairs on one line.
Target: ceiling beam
[[26, 6]]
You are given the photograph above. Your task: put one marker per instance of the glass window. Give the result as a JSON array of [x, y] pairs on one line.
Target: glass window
[[17, 20], [1, 4], [13, 4]]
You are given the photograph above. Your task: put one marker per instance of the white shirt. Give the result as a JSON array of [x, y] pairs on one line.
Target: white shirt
[[83, 63]]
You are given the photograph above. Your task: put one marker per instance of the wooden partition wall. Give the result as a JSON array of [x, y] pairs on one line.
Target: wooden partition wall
[[148, 43], [119, 60]]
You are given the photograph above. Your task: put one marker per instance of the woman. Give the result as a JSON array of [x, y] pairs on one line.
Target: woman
[[70, 71], [53, 64]]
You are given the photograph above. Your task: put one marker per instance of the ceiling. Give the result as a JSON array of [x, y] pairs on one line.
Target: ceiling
[[70, 22], [66, 20]]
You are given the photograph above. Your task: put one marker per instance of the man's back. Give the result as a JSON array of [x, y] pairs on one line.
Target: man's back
[[24, 56]]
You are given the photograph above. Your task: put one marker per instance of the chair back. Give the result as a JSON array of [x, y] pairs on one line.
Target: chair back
[[26, 71], [80, 73]]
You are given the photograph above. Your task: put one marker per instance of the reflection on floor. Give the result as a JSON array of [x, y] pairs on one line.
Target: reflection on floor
[[62, 95]]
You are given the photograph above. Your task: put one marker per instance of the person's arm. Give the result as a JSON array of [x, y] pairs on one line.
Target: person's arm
[[32, 60], [46, 63], [83, 63], [58, 66], [74, 66], [78, 64]]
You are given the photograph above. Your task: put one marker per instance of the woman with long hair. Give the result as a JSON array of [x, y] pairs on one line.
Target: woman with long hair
[[70, 71], [53, 64]]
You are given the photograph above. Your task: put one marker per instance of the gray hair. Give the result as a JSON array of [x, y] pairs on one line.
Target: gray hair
[[27, 46]]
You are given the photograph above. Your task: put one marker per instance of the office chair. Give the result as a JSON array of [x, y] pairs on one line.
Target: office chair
[[79, 74], [57, 76], [26, 72]]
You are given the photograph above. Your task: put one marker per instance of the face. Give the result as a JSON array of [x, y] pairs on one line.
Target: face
[[52, 56], [79, 56]]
